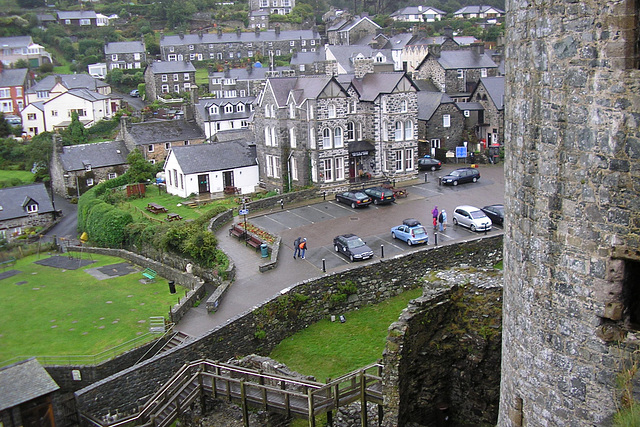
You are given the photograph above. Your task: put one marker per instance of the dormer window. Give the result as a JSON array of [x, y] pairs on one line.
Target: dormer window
[[32, 208], [228, 108], [87, 168], [214, 109], [240, 108]]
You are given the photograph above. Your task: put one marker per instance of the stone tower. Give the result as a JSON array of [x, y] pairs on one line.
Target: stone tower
[[572, 237]]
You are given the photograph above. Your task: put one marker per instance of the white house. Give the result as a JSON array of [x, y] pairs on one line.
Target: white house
[[33, 119], [219, 114], [210, 168], [418, 14]]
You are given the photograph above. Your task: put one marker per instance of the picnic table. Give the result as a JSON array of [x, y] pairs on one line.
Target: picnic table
[[173, 217], [155, 208]]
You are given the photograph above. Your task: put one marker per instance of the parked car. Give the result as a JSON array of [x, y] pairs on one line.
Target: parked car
[[380, 195], [352, 247], [135, 93], [495, 213], [471, 217], [353, 198], [429, 163], [462, 175], [411, 231], [13, 120]]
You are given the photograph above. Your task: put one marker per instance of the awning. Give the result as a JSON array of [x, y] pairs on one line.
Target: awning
[[361, 148]]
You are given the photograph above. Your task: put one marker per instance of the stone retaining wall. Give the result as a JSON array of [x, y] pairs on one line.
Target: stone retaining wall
[[260, 329]]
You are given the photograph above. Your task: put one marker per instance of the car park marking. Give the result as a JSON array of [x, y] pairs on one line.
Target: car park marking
[[326, 213]]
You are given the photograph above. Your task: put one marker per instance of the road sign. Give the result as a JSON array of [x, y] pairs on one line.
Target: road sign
[[461, 152], [243, 211]]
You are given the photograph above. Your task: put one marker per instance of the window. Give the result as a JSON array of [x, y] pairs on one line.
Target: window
[[150, 148], [466, 113], [331, 111], [408, 130], [31, 116], [264, 3], [165, 78], [176, 77], [292, 43], [435, 143], [87, 168], [398, 132], [191, 47], [293, 168], [54, 113], [186, 77], [243, 93], [312, 138], [398, 154], [385, 131], [42, 94], [175, 177], [240, 108], [273, 166], [292, 138], [460, 73], [33, 130], [136, 57], [359, 131], [403, 106], [112, 175], [89, 182], [219, 55], [446, 120], [32, 208], [292, 111], [85, 21], [165, 88], [350, 131], [171, 57], [328, 169], [483, 72], [326, 139], [228, 108], [186, 143], [192, 57], [313, 42], [176, 88], [182, 181], [171, 48], [339, 168], [337, 138], [408, 159]]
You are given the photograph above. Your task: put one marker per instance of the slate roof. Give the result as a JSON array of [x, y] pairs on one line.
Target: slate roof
[[204, 105], [308, 57], [414, 10], [476, 9], [244, 37], [24, 381], [464, 59], [214, 157], [12, 200], [345, 54], [399, 41], [77, 14], [428, 103], [161, 67], [461, 40], [233, 135], [371, 85], [495, 89], [86, 94], [124, 47], [13, 77], [160, 131], [244, 74], [15, 42], [470, 106], [306, 87], [70, 81], [357, 20], [97, 154]]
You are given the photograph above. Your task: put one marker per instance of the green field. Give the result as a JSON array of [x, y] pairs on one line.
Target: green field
[[48, 311], [202, 78], [329, 349], [10, 178]]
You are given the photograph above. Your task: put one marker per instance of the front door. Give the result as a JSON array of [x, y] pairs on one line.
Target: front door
[[227, 177], [203, 184]]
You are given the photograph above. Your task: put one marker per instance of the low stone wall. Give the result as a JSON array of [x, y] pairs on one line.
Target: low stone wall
[[287, 198], [260, 329]]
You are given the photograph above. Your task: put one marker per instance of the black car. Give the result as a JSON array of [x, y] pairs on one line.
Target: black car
[[429, 164], [380, 195], [353, 198], [495, 213], [352, 246], [460, 176]]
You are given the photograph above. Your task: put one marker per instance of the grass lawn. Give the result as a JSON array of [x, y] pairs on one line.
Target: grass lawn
[[25, 176], [50, 311], [202, 77], [330, 349]]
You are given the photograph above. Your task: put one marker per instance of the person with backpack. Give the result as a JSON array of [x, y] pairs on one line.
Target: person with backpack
[[296, 247], [303, 247]]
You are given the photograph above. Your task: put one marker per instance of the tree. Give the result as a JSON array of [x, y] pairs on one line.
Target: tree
[[115, 76], [38, 155], [5, 128], [140, 170], [75, 133]]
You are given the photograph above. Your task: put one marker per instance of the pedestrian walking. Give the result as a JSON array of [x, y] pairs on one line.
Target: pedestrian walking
[[444, 218], [303, 247], [434, 213], [441, 221], [296, 247]]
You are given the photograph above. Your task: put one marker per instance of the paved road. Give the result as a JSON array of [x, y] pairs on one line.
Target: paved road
[[320, 223], [67, 228]]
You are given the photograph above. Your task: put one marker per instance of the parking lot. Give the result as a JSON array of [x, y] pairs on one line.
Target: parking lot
[[321, 222]]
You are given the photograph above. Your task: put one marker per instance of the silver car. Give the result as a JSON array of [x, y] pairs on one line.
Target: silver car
[[471, 217]]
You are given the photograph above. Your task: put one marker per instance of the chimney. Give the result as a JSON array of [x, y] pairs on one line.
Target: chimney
[[448, 32], [238, 31], [478, 48], [58, 79], [181, 34], [249, 69], [194, 94], [257, 31], [277, 30], [435, 49], [161, 35], [227, 70], [200, 35], [219, 31], [420, 8]]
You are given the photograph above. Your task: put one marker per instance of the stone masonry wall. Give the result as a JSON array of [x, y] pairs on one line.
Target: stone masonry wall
[[261, 329], [572, 138]]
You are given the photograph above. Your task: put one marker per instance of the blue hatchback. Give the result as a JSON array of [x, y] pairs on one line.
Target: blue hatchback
[[410, 232]]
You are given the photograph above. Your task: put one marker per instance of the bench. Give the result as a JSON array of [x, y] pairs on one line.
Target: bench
[[8, 263], [252, 241], [236, 231], [149, 274], [173, 217], [231, 190], [155, 208]]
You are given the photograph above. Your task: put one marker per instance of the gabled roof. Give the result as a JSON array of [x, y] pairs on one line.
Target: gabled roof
[[256, 73], [417, 10], [97, 154], [233, 135], [214, 157], [244, 37], [15, 42], [476, 9], [161, 67], [77, 14], [308, 57], [204, 104], [345, 54], [307, 87], [495, 89], [124, 47], [355, 22], [85, 94], [470, 106], [154, 132], [24, 381], [428, 103], [399, 41], [12, 200], [13, 77], [464, 59], [70, 81], [372, 85]]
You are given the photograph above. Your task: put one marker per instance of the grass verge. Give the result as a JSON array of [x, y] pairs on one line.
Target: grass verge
[[9, 177], [330, 349], [50, 311]]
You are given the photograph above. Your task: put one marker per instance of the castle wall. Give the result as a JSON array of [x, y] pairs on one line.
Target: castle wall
[[572, 233]]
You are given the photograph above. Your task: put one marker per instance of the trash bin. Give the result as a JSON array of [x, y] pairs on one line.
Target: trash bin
[[172, 286], [265, 250]]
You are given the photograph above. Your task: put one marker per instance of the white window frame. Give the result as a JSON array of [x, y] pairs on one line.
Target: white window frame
[[89, 182], [331, 111], [408, 130], [112, 175], [338, 137], [446, 120], [351, 131], [293, 168], [327, 169], [312, 138], [466, 113], [339, 169], [483, 72], [399, 160], [403, 106], [292, 138], [398, 132], [165, 78], [326, 139], [408, 159], [460, 73], [32, 208]]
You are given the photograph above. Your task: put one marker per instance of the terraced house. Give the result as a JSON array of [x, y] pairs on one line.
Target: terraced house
[[315, 130], [125, 55]]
